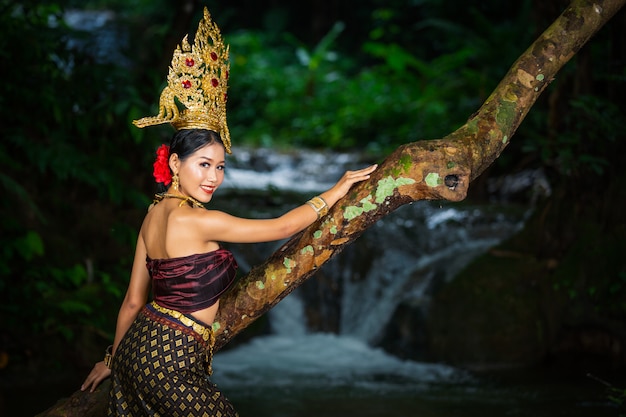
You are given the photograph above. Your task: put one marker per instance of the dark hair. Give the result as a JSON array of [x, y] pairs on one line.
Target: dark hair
[[186, 141]]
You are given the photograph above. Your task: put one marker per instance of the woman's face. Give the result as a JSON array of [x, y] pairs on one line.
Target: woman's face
[[202, 172]]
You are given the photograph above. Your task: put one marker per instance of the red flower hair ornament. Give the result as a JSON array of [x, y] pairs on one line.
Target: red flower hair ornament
[[161, 166]]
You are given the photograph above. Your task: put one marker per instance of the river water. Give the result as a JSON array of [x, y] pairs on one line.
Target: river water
[[318, 374]]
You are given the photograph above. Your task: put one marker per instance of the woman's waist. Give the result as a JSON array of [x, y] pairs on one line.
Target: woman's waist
[[195, 322]]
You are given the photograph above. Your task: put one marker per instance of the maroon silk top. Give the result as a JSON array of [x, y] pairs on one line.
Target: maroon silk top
[[191, 283]]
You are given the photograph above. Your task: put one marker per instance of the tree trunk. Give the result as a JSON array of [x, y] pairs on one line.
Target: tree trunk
[[426, 170]]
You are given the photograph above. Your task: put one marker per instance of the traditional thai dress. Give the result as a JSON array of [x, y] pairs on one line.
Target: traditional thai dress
[[162, 364]]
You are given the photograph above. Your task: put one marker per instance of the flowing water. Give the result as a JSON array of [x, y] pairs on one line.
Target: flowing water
[[294, 373]]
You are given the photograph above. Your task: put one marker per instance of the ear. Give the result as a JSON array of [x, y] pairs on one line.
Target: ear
[[174, 163]]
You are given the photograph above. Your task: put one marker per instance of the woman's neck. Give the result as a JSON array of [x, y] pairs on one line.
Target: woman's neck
[[185, 199]]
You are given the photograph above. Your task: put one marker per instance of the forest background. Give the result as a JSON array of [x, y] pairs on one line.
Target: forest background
[[331, 74]]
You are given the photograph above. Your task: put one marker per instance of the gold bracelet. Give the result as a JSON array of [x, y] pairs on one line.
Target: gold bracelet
[[319, 205], [108, 356]]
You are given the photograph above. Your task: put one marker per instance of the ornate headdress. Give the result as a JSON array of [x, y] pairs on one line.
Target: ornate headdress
[[198, 80]]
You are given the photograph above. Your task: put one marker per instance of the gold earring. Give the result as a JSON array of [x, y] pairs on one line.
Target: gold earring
[[175, 182]]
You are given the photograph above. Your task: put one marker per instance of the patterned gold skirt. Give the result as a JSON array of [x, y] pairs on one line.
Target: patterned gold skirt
[[161, 368]]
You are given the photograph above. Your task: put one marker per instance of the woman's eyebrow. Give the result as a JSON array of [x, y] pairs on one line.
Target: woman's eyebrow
[[210, 159]]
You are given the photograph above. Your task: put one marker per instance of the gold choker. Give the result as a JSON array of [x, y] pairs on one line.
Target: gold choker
[[186, 199]]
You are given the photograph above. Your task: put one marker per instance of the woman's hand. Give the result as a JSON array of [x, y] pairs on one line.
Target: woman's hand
[[99, 373], [344, 184]]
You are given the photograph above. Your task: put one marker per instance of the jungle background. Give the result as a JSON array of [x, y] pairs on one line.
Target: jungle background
[[322, 74]]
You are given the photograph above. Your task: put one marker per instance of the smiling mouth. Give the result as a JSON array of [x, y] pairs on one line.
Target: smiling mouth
[[208, 190]]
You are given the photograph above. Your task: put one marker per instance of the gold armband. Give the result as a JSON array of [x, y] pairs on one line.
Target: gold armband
[[108, 357], [319, 205]]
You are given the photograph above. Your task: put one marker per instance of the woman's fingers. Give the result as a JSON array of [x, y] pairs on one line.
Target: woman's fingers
[[359, 175], [98, 374], [344, 184]]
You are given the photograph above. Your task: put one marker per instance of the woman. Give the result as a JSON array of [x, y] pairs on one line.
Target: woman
[[176, 236], [161, 354]]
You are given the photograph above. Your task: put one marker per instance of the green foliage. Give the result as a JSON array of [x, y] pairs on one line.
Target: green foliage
[[322, 100], [288, 94], [66, 162], [43, 298]]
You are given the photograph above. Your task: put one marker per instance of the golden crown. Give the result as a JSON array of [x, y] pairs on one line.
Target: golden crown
[[198, 80]]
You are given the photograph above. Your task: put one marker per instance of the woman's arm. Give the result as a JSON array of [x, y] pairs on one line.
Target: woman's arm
[[136, 297], [222, 227], [136, 294]]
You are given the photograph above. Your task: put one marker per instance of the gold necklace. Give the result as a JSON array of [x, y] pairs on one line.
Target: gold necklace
[[186, 199]]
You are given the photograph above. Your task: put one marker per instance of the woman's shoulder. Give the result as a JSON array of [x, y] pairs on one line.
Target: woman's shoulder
[[192, 215]]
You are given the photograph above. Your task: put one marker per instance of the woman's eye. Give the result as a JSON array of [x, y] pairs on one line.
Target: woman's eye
[[221, 167]]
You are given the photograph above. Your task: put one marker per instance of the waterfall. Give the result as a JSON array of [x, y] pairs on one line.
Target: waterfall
[[418, 247], [287, 317]]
